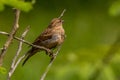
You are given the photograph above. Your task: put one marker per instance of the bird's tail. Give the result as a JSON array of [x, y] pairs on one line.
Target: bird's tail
[[30, 53]]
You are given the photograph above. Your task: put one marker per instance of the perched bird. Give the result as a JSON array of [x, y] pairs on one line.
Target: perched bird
[[52, 37]]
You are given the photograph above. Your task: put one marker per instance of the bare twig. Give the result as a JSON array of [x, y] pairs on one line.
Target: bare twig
[[10, 38], [50, 64], [106, 59], [26, 42], [61, 15], [14, 65]]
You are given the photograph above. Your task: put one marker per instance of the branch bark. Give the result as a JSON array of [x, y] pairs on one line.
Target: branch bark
[[14, 65], [61, 15], [10, 38], [50, 64], [26, 42]]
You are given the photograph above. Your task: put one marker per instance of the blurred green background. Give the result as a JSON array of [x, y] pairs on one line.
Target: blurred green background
[[91, 26]]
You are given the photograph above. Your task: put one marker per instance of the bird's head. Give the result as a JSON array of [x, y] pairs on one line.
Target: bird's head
[[56, 22]]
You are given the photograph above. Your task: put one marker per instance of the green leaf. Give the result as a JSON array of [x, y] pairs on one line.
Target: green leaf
[[3, 70], [19, 4], [24, 6]]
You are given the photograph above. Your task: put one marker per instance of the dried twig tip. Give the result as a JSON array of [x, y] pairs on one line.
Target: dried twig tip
[[61, 15]]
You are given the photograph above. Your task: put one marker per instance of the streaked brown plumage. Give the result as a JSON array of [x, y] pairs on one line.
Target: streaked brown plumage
[[52, 37]]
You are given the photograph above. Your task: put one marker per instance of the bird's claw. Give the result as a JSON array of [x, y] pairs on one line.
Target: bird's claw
[[52, 56], [49, 52]]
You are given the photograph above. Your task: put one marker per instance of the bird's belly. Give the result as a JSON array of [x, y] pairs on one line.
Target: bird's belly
[[50, 46], [54, 41]]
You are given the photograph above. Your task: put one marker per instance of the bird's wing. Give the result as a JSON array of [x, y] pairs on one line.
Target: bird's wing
[[47, 34], [48, 39], [43, 37]]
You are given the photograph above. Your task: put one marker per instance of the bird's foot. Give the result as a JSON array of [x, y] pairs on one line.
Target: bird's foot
[[49, 52]]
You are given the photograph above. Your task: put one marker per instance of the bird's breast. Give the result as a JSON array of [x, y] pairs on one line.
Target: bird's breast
[[60, 31]]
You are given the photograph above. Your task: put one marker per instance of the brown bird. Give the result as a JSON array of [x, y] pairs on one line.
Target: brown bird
[[52, 37]]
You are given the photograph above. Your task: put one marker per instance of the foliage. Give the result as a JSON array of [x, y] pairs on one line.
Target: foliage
[[90, 31], [3, 70], [115, 8], [24, 6]]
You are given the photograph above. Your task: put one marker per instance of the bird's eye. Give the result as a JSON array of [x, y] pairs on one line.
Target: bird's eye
[[61, 21]]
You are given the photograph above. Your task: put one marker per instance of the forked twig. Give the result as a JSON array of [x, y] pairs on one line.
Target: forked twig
[[14, 64], [10, 38], [26, 42], [50, 64]]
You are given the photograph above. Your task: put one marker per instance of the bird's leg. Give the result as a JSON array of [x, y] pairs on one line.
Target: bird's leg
[[51, 55], [54, 54]]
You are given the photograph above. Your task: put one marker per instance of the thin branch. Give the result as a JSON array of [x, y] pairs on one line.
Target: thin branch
[[50, 64], [26, 42], [19, 60], [13, 65], [61, 15], [106, 59], [10, 38]]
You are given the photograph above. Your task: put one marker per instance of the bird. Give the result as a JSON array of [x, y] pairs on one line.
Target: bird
[[50, 38]]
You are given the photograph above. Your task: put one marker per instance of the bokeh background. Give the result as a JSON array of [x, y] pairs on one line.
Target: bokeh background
[[91, 26]]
